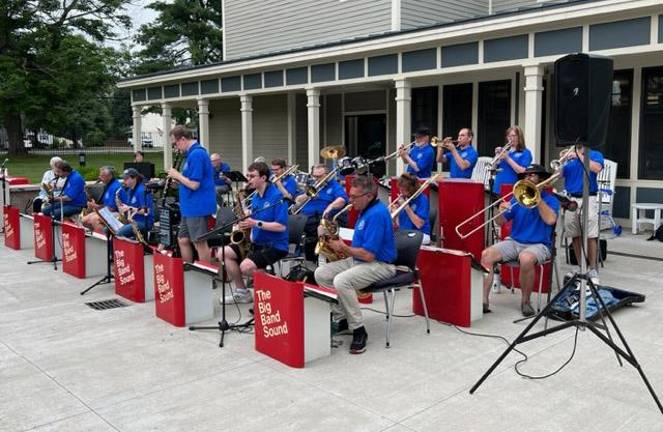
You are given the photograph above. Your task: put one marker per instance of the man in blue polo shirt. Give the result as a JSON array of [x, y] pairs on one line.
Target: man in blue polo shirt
[[136, 201], [415, 215], [419, 160], [111, 185], [72, 200], [530, 242], [222, 183], [331, 198], [572, 172], [196, 193], [269, 234], [370, 259], [286, 185], [462, 158]]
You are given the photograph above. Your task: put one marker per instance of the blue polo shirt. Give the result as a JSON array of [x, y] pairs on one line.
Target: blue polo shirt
[[374, 232], [276, 213], [74, 188], [528, 227], [223, 168], [420, 207], [108, 198], [573, 171], [327, 195], [507, 175], [469, 154], [290, 184], [424, 157], [138, 197], [198, 167]]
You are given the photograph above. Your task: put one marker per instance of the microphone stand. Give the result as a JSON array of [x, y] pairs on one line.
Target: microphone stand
[[223, 326], [5, 199]]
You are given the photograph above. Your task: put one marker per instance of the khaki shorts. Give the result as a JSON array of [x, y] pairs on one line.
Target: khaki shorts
[[511, 249], [573, 219]]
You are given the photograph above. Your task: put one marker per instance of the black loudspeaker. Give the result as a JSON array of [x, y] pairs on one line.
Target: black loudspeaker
[[603, 250], [582, 91]]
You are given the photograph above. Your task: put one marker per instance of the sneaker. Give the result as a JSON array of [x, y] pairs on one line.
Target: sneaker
[[594, 276], [359, 338], [238, 296], [527, 310], [340, 327], [486, 308], [497, 284]]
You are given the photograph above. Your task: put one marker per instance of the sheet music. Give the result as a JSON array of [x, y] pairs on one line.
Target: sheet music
[[109, 219]]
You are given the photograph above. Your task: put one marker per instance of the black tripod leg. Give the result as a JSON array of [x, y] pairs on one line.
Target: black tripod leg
[[596, 296]]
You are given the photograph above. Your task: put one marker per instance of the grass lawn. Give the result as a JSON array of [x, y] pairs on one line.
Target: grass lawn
[[33, 166]]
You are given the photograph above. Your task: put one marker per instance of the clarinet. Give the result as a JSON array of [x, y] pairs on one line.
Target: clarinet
[[177, 164]]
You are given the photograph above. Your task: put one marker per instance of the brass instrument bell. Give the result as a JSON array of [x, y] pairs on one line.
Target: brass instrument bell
[[332, 152]]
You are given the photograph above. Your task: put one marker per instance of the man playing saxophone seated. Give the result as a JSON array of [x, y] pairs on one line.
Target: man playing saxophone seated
[[370, 259], [530, 239], [134, 204], [268, 225], [111, 185], [415, 214]]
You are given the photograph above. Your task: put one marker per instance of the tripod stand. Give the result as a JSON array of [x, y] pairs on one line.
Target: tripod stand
[[108, 277], [581, 323]]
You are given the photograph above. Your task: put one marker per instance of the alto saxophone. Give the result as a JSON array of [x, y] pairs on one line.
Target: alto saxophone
[[329, 230], [135, 229]]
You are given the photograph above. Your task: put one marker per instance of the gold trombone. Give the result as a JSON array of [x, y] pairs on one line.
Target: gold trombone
[[493, 163], [313, 191], [285, 173], [416, 193]]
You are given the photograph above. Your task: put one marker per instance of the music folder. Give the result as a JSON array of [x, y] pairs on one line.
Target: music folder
[[109, 219]]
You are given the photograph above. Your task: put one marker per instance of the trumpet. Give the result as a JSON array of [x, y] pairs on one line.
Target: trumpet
[[313, 191], [526, 193], [564, 156], [416, 193]]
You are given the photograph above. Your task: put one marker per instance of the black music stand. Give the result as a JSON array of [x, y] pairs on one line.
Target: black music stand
[[237, 178], [54, 259], [581, 322], [108, 277]]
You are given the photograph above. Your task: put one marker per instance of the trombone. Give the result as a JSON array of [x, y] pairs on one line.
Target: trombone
[[493, 163], [313, 191], [434, 141], [285, 173], [416, 193]]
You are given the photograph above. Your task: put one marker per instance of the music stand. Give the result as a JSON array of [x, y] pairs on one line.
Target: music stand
[[54, 259], [111, 223], [237, 178]]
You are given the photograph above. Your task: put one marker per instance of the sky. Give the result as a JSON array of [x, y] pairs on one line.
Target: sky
[[139, 15]]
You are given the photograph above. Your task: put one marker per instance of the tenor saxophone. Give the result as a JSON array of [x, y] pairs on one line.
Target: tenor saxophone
[[329, 230]]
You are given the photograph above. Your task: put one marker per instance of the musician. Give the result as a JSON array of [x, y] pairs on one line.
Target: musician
[[415, 214], [530, 241], [139, 156], [135, 199], [330, 198], [287, 185], [49, 180], [269, 233], [572, 172], [196, 193], [419, 160], [370, 259], [513, 162], [111, 185], [72, 200], [462, 158], [222, 184]]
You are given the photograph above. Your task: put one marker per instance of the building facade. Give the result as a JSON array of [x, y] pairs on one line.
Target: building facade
[[300, 75]]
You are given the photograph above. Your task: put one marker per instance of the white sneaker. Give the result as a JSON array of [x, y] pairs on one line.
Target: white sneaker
[[594, 276], [238, 296], [497, 284]]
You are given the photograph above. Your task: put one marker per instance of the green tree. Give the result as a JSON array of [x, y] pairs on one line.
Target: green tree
[[53, 66]]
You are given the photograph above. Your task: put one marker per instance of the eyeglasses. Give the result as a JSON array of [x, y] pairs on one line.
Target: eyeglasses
[[354, 197]]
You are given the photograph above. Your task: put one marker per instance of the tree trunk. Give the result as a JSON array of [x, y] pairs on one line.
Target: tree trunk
[[12, 122]]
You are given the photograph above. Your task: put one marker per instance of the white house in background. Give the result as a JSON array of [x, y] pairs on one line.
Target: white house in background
[[301, 74]]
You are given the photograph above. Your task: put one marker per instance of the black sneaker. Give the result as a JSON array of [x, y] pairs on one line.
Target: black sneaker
[[359, 338], [527, 310], [340, 327]]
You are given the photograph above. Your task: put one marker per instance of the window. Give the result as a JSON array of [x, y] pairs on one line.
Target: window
[[457, 111], [618, 141], [651, 125], [494, 115]]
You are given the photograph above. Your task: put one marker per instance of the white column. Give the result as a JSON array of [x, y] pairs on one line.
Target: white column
[[533, 108], [292, 129], [313, 109], [203, 122], [166, 116], [403, 117], [136, 135], [246, 108]]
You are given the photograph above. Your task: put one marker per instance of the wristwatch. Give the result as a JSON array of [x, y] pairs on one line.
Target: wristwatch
[[259, 224]]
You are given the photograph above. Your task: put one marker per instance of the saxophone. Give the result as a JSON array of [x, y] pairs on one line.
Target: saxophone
[[240, 237], [118, 202], [135, 229], [328, 230]]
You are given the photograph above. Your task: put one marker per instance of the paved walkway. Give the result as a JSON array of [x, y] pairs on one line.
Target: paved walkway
[[66, 367]]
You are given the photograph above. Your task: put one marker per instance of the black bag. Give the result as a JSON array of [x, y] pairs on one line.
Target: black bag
[[299, 273], [658, 235], [603, 248]]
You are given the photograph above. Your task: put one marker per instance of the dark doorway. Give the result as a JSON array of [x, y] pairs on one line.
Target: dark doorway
[[366, 135], [456, 111], [494, 115], [650, 166]]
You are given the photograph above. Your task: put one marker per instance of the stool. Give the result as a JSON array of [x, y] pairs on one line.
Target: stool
[[638, 215]]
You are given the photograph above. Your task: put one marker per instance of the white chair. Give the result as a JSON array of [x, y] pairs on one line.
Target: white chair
[[606, 180], [480, 171]]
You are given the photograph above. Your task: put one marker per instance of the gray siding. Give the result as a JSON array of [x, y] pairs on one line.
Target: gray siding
[[225, 130], [421, 13], [270, 127], [510, 5], [255, 27]]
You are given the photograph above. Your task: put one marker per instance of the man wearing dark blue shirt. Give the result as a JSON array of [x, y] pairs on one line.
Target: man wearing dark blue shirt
[[370, 259], [573, 171], [135, 203], [196, 193], [222, 183], [462, 158], [269, 233], [111, 185], [419, 160], [530, 242], [72, 200]]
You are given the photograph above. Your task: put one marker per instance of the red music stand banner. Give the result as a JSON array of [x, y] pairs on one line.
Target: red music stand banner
[[73, 250], [169, 289], [129, 269], [12, 226], [458, 200], [43, 238]]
